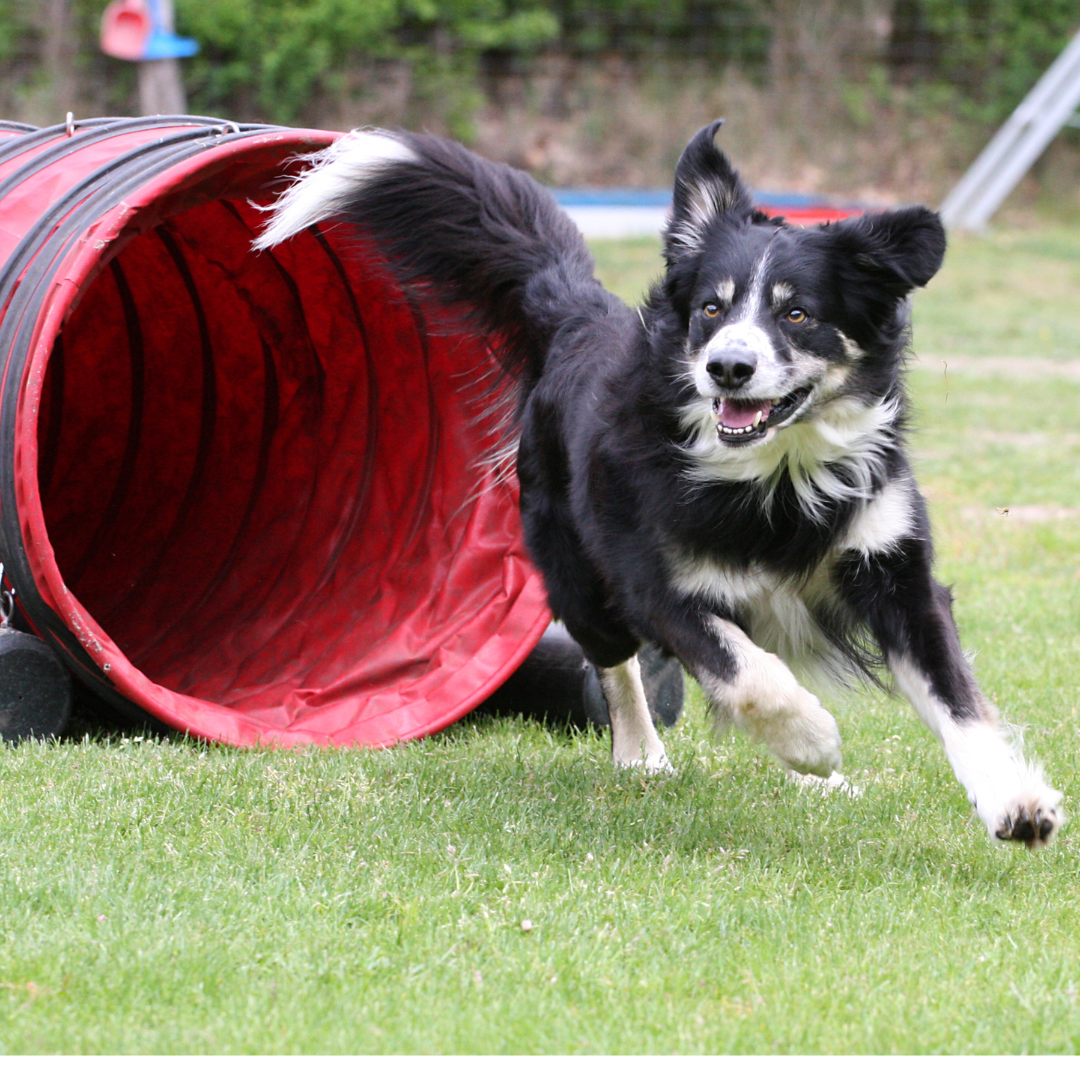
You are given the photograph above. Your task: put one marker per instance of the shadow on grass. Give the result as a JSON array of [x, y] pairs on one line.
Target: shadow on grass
[[92, 719], [480, 723]]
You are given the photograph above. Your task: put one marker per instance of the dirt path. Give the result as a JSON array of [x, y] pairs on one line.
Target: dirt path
[[1033, 368]]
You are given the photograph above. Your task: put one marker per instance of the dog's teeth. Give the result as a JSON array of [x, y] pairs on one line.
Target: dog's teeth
[[757, 419]]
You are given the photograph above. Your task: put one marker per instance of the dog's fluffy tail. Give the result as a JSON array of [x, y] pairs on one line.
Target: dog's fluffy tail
[[480, 236]]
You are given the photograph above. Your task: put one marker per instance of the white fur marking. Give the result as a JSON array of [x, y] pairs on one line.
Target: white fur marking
[[330, 182], [785, 624], [880, 524], [725, 291], [634, 740], [778, 612], [838, 783], [765, 701], [783, 292], [851, 350], [843, 431], [831, 384], [755, 298], [706, 199], [997, 779], [731, 588], [747, 333]]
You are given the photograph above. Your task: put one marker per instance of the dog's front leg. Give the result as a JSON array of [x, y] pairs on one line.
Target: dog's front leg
[[1009, 794], [911, 616], [756, 691], [634, 740]]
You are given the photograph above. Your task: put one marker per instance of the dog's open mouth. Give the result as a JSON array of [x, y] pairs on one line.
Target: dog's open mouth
[[739, 421]]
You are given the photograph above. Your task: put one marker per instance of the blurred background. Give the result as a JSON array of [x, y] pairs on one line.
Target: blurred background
[[879, 100]]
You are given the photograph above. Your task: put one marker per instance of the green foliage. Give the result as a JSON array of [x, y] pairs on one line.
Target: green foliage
[[279, 53], [995, 50], [728, 30], [277, 60], [10, 33], [27, 30], [517, 31], [276, 54]]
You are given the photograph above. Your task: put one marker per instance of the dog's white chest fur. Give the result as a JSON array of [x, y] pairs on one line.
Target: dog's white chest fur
[[777, 612]]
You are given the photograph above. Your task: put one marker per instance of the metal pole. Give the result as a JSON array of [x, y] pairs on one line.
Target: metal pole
[[1017, 145]]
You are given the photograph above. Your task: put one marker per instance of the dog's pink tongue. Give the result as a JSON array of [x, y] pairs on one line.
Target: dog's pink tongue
[[740, 414]]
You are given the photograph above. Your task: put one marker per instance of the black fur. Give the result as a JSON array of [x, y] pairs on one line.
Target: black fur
[[623, 482], [601, 462]]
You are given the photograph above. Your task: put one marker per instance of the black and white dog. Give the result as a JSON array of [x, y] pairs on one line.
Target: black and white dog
[[721, 471]]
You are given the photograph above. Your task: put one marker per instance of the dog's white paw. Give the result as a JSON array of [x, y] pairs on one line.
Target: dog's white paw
[[1010, 795], [650, 764], [807, 741], [837, 783], [1031, 818]]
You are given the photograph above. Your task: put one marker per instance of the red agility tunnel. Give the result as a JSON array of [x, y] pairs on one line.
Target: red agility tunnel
[[242, 493]]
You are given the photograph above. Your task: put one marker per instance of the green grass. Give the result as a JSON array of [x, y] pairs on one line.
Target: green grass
[[163, 896], [1007, 294]]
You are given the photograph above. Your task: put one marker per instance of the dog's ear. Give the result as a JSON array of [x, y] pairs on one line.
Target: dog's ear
[[706, 187], [896, 250]]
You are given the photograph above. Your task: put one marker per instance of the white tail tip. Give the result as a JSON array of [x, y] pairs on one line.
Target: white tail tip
[[331, 181]]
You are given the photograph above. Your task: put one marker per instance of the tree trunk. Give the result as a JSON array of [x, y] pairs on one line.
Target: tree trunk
[[58, 53], [161, 89]]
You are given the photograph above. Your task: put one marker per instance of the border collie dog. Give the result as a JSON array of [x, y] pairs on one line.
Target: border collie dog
[[721, 471]]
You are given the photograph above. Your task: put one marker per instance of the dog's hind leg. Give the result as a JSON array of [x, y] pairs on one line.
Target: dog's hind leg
[[634, 740], [911, 616], [577, 596]]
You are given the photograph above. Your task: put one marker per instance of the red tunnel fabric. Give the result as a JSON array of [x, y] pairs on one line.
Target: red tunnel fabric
[[253, 492]]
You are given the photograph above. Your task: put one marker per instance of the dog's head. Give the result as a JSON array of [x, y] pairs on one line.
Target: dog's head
[[781, 321]]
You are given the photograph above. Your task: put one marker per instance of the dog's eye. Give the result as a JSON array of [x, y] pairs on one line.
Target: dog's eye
[[796, 315], [710, 310]]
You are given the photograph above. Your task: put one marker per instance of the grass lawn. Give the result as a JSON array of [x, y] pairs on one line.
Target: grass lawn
[[163, 896]]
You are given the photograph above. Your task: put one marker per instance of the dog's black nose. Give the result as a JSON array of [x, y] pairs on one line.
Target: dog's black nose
[[732, 369]]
